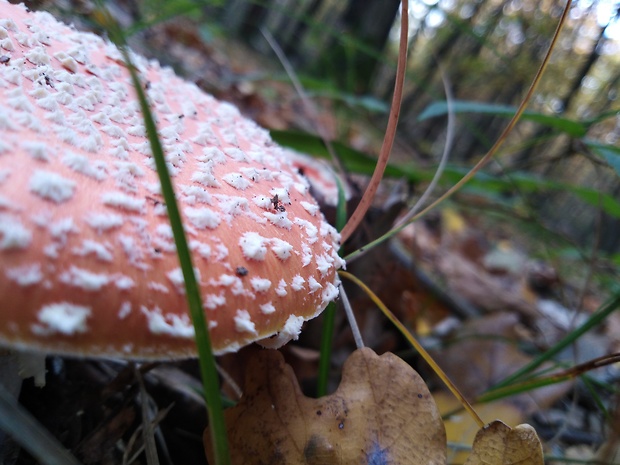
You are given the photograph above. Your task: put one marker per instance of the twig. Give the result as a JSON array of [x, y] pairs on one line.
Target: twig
[[230, 381], [28, 432], [357, 336], [147, 427], [443, 161], [390, 132]]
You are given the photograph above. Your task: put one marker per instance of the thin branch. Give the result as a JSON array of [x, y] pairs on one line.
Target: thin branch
[[357, 336]]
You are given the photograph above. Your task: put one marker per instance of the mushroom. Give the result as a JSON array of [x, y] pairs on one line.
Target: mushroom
[[322, 179], [89, 266]]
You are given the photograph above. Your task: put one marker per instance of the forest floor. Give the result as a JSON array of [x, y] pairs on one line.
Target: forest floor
[[469, 288]]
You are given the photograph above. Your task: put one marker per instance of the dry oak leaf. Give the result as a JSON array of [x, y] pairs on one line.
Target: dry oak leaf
[[498, 444], [382, 413]]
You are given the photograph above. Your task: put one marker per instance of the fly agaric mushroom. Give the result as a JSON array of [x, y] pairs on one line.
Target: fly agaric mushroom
[[88, 262], [321, 177]]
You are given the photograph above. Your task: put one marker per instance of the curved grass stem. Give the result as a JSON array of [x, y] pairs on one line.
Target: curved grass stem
[[390, 131], [416, 345], [492, 151], [443, 160]]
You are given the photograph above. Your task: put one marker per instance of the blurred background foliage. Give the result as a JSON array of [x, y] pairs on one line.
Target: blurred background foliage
[[560, 167]]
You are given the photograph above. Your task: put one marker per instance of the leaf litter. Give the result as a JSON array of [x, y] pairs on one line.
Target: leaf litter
[[480, 299], [381, 413], [498, 444]]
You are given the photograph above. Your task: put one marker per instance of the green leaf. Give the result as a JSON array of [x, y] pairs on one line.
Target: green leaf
[[594, 197], [153, 14], [361, 163], [528, 183], [364, 102], [353, 160], [610, 153], [570, 127]]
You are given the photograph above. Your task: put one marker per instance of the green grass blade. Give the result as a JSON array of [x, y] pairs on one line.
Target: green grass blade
[[610, 153], [487, 184], [570, 127], [203, 341], [329, 316], [164, 11], [595, 395], [353, 160], [327, 335], [594, 320]]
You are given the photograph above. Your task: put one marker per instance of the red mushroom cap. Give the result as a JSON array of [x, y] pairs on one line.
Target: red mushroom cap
[[88, 262], [322, 178]]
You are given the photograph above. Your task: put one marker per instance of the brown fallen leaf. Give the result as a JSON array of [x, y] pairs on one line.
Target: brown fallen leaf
[[381, 413], [461, 428], [498, 444]]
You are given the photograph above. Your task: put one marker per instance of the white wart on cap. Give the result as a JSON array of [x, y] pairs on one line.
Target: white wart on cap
[[88, 262]]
